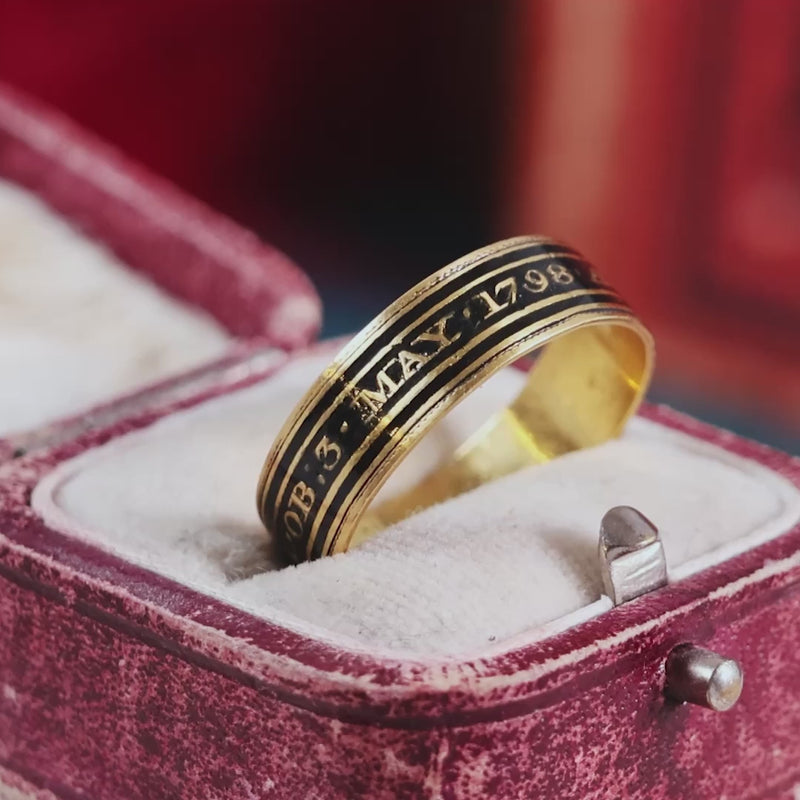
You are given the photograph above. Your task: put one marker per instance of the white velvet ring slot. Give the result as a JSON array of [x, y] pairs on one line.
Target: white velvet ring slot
[[499, 566]]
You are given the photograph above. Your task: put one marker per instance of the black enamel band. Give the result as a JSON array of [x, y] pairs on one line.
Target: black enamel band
[[409, 365]]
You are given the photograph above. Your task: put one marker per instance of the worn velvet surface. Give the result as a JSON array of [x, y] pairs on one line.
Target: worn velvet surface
[[118, 683]]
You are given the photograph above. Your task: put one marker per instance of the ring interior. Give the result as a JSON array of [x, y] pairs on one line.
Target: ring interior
[[579, 393]]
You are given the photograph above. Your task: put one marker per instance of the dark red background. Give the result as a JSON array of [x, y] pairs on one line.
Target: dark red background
[[330, 127], [375, 141]]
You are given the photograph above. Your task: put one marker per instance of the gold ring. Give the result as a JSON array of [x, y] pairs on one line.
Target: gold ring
[[422, 355]]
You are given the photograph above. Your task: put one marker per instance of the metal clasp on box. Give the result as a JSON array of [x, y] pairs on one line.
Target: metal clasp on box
[[632, 563], [632, 560]]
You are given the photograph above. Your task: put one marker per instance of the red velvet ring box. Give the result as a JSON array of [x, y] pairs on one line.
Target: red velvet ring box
[[152, 646]]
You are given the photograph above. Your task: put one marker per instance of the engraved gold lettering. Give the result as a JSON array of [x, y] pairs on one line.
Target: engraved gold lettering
[[505, 293], [411, 362], [293, 524], [508, 285], [329, 453], [375, 399], [437, 335], [536, 281], [560, 274], [302, 498], [370, 401]]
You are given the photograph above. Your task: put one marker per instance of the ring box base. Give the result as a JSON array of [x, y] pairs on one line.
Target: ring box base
[[119, 682]]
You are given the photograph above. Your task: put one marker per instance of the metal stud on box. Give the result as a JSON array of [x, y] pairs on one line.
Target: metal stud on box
[[632, 563], [700, 676]]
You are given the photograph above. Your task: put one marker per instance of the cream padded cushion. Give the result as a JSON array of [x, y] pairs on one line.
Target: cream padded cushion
[[501, 565]]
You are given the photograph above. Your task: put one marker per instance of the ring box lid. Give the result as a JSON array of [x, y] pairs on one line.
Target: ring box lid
[[203, 260]]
